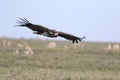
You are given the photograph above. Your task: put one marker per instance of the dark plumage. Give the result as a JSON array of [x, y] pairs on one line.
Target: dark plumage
[[41, 30]]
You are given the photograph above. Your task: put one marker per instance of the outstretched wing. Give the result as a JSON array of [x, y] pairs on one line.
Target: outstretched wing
[[70, 37], [34, 27], [39, 29]]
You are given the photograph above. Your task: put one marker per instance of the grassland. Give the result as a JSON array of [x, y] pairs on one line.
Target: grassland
[[64, 62]]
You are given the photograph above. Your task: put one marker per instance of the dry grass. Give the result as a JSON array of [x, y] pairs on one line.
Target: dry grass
[[89, 63]]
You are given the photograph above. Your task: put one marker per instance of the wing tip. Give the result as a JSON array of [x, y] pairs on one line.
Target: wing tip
[[80, 39], [77, 40], [22, 22]]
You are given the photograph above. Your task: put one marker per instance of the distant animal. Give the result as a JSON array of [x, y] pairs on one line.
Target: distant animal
[[41, 30]]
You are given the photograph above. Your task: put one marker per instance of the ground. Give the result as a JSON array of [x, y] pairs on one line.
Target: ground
[[86, 61]]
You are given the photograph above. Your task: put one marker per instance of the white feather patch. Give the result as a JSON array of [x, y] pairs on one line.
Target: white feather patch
[[45, 34]]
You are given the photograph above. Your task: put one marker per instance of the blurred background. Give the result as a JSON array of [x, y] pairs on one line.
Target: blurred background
[[99, 20], [26, 56]]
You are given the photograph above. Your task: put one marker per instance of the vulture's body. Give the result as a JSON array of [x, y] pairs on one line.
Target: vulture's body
[[41, 30]]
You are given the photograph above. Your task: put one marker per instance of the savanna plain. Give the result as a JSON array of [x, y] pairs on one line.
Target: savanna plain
[[35, 59]]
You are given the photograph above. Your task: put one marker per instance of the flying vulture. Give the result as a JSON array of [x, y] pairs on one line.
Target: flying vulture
[[41, 30]]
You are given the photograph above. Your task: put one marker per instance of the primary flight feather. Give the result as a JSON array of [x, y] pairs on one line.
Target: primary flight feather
[[41, 30]]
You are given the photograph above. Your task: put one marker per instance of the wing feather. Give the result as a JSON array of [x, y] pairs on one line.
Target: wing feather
[[70, 37], [34, 27]]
